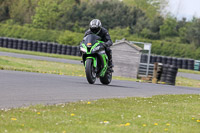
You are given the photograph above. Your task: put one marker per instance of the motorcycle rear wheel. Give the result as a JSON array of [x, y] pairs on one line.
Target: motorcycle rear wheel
[[107, 78], [90, 71]]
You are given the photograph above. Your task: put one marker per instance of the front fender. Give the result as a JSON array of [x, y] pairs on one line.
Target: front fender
[[94, 61]]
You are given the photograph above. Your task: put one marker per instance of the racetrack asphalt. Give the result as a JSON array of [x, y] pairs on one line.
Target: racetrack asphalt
[[18, 89]]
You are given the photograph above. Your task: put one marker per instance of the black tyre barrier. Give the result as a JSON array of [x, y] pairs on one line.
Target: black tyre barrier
[[169, 73], [179, 63], [154, 59], [34, 46], [185, 64], [69, 50], [10, 43], [159, 59], [144, 58], [174, 61], [15, 42], [191, 64], [19, 44], [5, 42], [78, 51], [1, 42], [163, 78], [24, 44], [54, 48], [39, 47], [44, 47], [29, 45], [49, 47], [74, 49], [64, 49], [164, 60], [169, 60], [59, 48], [151, 59]]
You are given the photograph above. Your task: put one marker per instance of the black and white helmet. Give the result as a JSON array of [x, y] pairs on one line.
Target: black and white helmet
[[95, 26]]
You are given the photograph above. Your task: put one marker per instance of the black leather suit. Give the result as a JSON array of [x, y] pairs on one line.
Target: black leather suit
[[105, 37]]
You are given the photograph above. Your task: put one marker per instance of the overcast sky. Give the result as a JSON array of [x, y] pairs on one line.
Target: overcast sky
[[185, 8]]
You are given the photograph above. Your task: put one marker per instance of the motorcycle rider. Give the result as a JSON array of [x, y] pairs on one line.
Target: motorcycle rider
[[96, 28]]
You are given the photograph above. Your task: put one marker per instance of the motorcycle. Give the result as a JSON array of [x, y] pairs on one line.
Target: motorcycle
[[95, 60]]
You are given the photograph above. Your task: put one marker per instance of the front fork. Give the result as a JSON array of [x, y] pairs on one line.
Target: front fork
[[104, 59]]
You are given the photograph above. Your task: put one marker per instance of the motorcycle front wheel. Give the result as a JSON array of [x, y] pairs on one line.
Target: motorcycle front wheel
[[90, 71]]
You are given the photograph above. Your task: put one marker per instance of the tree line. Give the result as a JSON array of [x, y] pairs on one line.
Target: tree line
[[141, 18]]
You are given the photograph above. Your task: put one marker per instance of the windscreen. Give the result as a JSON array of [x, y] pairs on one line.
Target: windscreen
[[91, 39]]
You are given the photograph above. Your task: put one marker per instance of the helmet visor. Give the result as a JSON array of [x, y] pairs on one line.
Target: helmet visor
[[95, 30]]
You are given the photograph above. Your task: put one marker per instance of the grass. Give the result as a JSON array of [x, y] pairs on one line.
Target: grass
[[157, 114], [30, 65], [189, 71], [39, 54], [181, 81]]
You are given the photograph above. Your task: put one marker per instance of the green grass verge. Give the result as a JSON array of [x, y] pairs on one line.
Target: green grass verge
[[181, 81], [39, 54], [189, 71], [30, 65], [157, 114]]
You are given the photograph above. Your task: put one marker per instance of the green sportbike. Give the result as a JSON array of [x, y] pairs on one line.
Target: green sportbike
[[95, 59]]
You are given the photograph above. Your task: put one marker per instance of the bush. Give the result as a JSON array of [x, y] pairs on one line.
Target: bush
[[70, 38]]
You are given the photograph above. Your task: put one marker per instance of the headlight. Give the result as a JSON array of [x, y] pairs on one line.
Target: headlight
[[97, 48], [83, 50]]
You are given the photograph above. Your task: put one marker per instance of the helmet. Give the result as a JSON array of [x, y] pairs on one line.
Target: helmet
[[95, 26]]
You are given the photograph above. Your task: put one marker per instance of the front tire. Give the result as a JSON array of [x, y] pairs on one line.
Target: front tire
[[90, 71], [107, 78]]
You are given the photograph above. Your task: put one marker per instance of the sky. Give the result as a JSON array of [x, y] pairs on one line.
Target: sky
[[184, 8]]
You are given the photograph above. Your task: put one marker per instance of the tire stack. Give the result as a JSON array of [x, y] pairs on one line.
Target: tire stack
[[10, 43], [164, 73], [15, 42], [74, 49], [169, 73], [69, 49], [49, 47], [144, 58], [159, 59], [63, 50], [169, 60], [24, 45], [78, 51], [44, 47], [179, 63], [164, 60], [19, 44], [54, 48], [174, 62], [185, 64], [5, 42], [1, 42], [59, 48], [29, 46], [34, 46], [191, 64]]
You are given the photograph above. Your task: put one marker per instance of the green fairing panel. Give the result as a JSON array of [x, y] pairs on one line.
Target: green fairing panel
[[105, 65]]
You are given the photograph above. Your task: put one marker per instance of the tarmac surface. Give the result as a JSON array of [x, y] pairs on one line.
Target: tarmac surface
[[18, 89]]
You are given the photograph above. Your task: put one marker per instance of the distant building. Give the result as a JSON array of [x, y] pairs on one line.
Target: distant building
[[126, 58]]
